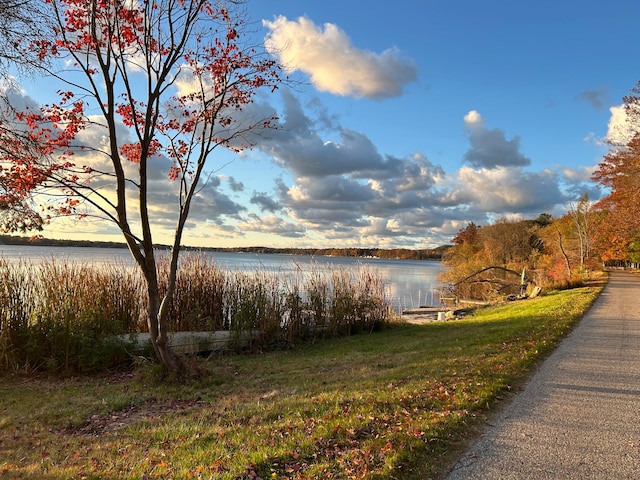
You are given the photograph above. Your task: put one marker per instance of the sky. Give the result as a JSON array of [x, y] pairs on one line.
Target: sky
[[408, 120]]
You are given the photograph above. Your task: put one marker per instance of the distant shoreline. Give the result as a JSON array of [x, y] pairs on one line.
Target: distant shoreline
[[395, 253]]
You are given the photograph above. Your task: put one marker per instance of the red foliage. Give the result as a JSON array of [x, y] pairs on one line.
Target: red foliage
[[110, 41], [620, 173], [467, 235]]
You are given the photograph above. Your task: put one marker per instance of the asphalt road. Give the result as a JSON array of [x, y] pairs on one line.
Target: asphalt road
[[578, 417]]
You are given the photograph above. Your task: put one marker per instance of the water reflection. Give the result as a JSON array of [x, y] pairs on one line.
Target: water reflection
[[408, 283]]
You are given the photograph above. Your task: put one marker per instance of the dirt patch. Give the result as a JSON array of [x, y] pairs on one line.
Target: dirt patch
[[116, 421]]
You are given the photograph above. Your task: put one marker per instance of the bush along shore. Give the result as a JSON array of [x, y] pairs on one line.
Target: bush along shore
[[398, 403], [74, 317]]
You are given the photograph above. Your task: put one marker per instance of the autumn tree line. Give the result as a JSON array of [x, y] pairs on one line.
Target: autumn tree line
[[354, 252], [558, 251]]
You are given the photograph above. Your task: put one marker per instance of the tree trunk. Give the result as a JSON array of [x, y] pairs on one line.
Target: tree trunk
[[564, 254], [158, 331]]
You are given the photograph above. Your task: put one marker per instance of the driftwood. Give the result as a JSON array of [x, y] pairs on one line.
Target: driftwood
[[494, 285], [508, 270]]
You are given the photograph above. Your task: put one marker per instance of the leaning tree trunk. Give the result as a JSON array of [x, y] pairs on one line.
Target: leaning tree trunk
[[564, 254]]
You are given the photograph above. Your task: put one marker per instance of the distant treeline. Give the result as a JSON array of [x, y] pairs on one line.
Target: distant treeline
[[394, 253], [50, 242]]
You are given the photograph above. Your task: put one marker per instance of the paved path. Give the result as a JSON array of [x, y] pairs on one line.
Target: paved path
[[579, 415]]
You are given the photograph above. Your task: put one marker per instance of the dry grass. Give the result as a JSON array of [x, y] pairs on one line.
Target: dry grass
[[64, 316]]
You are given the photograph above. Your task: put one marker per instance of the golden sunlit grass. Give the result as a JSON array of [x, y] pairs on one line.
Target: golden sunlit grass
[[391, 404]]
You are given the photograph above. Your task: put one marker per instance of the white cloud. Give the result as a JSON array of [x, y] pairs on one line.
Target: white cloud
[[504, 190], [579, 174], [473, 119], [620, 128], [334, 63]]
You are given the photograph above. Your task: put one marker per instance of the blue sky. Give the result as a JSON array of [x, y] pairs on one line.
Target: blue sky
[[413, 118]]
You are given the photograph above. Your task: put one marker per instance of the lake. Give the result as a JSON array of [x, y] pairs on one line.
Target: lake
[[408, 283]]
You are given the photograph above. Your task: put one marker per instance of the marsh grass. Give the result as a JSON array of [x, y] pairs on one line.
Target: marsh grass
[[67, 316], [394, 404], [60, 315]]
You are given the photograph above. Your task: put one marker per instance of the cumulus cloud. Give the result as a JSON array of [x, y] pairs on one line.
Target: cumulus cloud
[[235, 185], [271, 225], [211, 206], [212, 201], [14, 98], [334, 64], [490, 148], [473, 119], [344, 182], [334, 189], [265, 201], [344, 189], [581, 174], [300, 149], [353, 153], [621, 128], [577, 182], [502, 190], [337, 187]]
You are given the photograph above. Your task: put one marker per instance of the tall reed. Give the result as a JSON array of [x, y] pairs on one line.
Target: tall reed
[[62, 315], [198, 303]]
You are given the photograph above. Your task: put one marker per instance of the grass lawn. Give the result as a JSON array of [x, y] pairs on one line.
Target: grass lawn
[[400, 403]]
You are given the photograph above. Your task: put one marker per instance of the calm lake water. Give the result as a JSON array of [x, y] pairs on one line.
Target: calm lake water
[[409, 283]]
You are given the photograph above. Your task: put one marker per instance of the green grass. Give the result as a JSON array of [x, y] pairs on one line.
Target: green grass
[[400, 403]]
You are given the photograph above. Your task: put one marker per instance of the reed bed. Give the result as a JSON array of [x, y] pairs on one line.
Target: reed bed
[[67, 316]]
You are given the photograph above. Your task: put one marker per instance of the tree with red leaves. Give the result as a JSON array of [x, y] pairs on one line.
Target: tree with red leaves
[[163, 79], [19, 22], [619, 171]]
